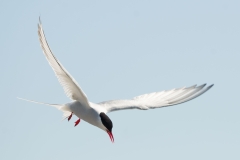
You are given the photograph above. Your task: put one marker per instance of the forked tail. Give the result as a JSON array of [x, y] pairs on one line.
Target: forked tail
[[58, 106]]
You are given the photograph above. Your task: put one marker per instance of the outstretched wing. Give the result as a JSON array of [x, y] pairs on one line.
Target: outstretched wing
[[157, 99], [68, 83]]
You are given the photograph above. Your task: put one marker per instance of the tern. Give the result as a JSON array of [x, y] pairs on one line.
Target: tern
[[95, 113]]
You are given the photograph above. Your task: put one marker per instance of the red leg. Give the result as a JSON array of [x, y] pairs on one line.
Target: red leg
[[77, 122], [70, 117]]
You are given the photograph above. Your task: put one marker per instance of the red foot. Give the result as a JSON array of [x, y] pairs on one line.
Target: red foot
[[76, 123], [70, 117]]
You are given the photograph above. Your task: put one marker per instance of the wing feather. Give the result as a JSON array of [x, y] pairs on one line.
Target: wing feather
[[157, 99], [70, 86]]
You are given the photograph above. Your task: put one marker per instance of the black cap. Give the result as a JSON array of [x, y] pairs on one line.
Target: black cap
[[106, 121]]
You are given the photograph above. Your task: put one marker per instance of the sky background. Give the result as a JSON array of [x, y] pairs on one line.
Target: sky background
[[118, 50]]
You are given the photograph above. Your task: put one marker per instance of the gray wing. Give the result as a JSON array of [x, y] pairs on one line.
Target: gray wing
[[70, 86], [157, 99]]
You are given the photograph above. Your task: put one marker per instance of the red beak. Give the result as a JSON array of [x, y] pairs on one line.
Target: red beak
[[111, 136]]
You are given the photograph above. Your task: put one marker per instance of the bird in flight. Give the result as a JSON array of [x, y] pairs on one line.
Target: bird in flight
[[96, 113]]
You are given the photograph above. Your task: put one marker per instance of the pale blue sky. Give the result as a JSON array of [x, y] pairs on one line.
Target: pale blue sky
[[116, 50]]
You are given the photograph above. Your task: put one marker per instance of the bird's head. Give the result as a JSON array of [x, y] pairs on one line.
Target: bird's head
[[106, 121]]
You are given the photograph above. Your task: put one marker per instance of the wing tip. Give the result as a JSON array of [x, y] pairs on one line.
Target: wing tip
[[210, 86], [39, 24], [203, 85], [39, 19]]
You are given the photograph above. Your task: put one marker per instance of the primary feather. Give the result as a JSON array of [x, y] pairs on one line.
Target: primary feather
[[70, 86], [157, 99]]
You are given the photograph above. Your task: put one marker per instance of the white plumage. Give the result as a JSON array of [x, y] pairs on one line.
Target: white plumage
[[69, 84], [157, 99], [95, 114]]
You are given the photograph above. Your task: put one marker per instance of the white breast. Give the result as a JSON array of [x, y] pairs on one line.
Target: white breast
[[89, 114]]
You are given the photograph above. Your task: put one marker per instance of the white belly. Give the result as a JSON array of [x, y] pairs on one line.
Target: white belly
[[85, 113]]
